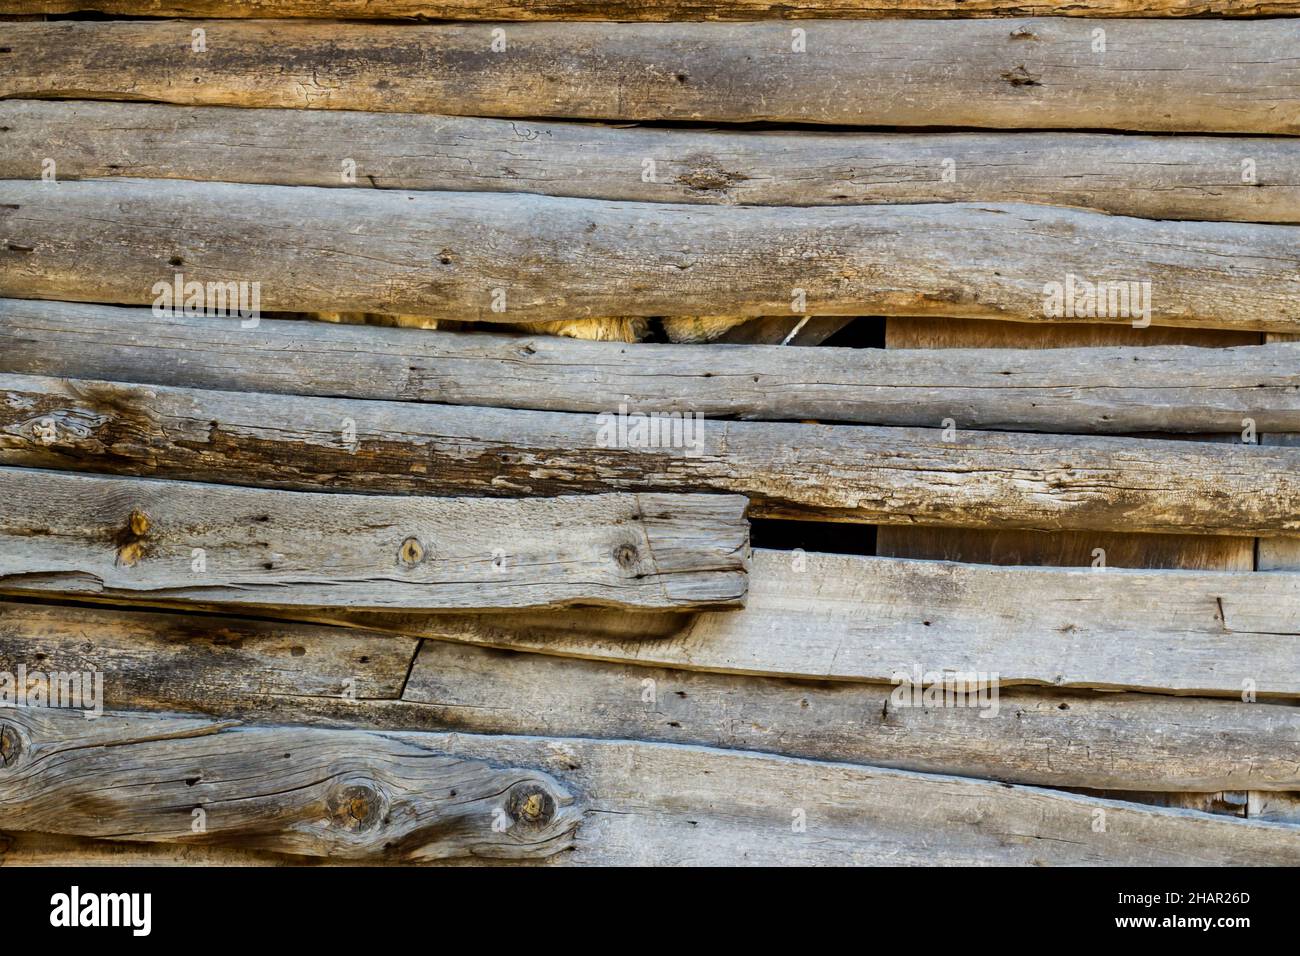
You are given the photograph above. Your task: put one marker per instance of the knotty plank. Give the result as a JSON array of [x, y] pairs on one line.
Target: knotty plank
[[654, 10], [1022, 73], [1155, 177], [1079, 390], [840, 472], [639, 803], [846, 617], [140, 539], [516, 257]]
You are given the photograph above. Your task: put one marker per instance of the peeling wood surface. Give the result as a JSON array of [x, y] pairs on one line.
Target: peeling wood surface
[[655, 10], [643, 803], [1022, 73], [299, 791], [457, 255], [1154, 177], [1087, 390], [838, 472], [846, 617], [138, 539]]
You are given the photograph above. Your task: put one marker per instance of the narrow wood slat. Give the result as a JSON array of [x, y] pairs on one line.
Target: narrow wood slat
[[139, 539]]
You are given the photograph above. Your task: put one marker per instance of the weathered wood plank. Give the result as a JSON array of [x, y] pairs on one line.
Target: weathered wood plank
[[1025, 73], [644, 803], [845, 617], [655, 10], [346, 794], [300, 673], [140, 539], [517, 257], [1085, 390], [840, 472], [1200, 178]]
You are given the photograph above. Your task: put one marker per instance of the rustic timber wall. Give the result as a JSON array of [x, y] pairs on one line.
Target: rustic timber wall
[[385, 528]]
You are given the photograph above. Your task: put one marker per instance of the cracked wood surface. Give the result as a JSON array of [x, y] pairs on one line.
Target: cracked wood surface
[[838, 472], [1154, 177], [847, 617], [656, 10], [286, 672], [293, 790], [1022, 73], [648, 803], [467, 256], [138, 539], [1089, 390]]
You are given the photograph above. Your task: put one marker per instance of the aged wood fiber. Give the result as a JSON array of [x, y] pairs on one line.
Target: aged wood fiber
[[1021, 73], [1090, 390], [1155, 177], [138, 539]]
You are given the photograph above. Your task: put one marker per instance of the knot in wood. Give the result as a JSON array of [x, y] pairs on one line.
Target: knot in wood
[[356, 807], [130, 539], [531, 805], [626, 556], [11, 745], [411, 552]]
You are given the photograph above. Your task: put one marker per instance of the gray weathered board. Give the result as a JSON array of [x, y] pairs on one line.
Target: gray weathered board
[[634, 802], [140, 539], [855, 473], [1022, 73], [1088, 390], [1154, 177], [515, 257]]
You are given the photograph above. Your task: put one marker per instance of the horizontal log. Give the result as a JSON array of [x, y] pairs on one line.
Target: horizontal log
[[345, 794], [845, 617], [290, 672], [1118, 390], [139, 539], [640, 803], [654, 10], [1155, 177], [861, 473], [1054, 73], [514, 257]]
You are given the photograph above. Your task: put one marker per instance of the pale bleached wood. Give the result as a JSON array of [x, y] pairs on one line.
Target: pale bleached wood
[[1082, 390], [656, 10], [300, 791], [140, 539], [300, 673], [646, 803], [846, 617], [1149, 176], [1021, 73], [459, 255], [840, 472]]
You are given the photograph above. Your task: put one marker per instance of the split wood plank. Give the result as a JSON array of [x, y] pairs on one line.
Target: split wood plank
[[1154, 177], [656, 10], [855, 473], [1054, 73], [299, 791], [289, 672], [1072, 390], [518, 257], [847, 617], [638, 803], [140, 539]]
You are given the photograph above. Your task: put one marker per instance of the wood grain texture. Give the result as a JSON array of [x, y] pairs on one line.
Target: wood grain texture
[[1198, 178], [1082, 390], [845, 617], [655, 10], [1022, 73], [139, 539], [456, 255], [300, 791], [856, 473], [646, 803], [287, 672]]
